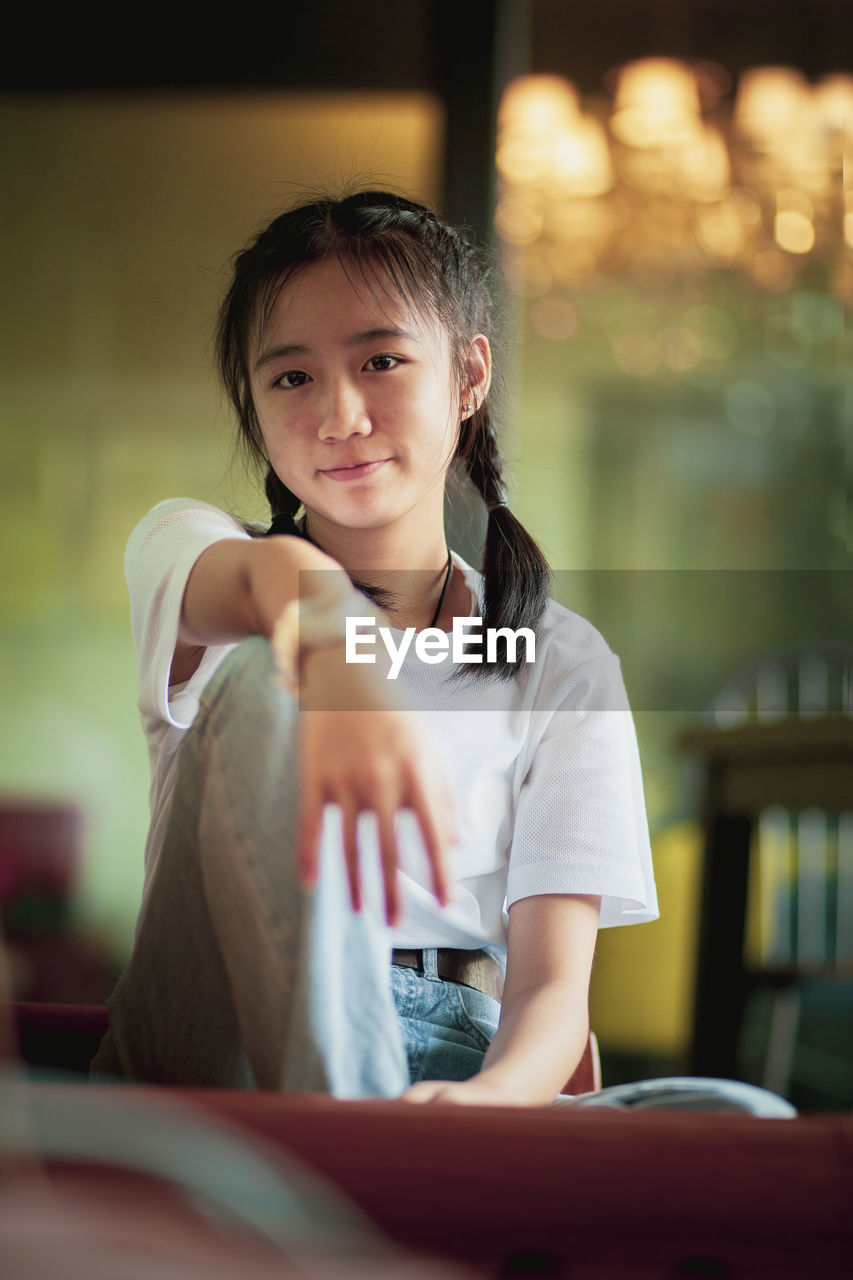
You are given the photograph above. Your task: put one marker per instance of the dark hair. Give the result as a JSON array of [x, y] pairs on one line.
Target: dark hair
[[438, 273]]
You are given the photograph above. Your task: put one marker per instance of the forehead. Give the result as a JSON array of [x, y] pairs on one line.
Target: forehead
[[334, 299]]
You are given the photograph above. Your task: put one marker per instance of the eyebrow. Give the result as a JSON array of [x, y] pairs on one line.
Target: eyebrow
[[355, 340]]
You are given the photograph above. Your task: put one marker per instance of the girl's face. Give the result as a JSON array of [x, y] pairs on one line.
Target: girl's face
[[357, 400]]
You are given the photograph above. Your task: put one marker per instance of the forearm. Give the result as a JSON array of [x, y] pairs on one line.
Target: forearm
[[239, 588], [544, 1023], [538, 1045]]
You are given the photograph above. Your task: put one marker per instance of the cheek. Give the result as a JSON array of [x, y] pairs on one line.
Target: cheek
[[281, 449], [279, 426]]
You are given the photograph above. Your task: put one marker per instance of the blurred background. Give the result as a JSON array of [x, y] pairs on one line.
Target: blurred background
[[663, 183]]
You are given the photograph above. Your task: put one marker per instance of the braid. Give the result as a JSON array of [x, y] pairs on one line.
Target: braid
[[516, 574], [283, 505]]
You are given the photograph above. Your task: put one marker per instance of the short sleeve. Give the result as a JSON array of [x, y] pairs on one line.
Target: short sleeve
[[161, 552], [581, 823]]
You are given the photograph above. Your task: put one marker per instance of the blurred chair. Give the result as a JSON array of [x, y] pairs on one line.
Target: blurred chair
[[778, 757], [41, 855], [587, 1075]]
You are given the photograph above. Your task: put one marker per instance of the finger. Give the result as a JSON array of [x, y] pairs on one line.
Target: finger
[[388, 856], [435, 840], [424, 1091], [350, 821], [309, 824]]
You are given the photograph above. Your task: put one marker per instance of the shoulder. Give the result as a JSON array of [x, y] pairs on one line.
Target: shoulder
[[573, 664], [575, 667], [176, 526], [565, 636], [179, 516], [165, 544], [569, 640]]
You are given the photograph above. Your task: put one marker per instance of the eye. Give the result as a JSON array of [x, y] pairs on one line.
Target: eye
[[378, 364], [291, 378]]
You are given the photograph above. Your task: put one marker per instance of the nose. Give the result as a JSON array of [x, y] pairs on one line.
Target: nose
[[343, 413]]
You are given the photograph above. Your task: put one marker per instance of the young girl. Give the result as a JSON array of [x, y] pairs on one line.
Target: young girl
[[355, 883]]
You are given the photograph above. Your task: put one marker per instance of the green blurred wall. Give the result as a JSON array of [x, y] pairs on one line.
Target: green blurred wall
[[119, 218]]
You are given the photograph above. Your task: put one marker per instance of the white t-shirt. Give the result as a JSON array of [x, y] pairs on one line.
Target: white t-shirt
[[545, 767]]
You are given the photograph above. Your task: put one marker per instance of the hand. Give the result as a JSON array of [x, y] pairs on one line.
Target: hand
[[372, 757], [476, 1092]]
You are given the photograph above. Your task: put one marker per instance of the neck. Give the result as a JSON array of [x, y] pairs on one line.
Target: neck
[[408, 564]]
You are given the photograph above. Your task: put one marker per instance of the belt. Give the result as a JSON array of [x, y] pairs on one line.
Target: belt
[[475, 969]]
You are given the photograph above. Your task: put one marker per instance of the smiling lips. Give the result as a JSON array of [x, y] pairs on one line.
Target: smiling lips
[[355, 471]]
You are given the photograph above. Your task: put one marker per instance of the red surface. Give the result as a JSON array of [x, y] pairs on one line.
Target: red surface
[[593, 1195], [40, 847], [587, 1190]]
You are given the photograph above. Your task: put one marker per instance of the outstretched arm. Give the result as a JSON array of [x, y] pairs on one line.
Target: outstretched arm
[[544, 1024], [359, 748], [238, 587]]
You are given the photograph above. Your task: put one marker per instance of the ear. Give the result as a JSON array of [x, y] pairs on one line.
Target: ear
[[479, 370]]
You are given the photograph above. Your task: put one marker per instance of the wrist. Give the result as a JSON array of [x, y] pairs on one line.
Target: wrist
[[513, 1089], [283, 568], [312, 625]]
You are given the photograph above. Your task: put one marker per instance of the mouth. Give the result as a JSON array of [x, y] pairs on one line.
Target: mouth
[[354, 470]]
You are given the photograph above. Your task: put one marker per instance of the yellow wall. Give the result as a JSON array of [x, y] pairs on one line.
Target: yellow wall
[[642, 989]]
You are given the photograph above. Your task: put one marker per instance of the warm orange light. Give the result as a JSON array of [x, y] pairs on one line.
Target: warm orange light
[[581, 160], [537, 104], [657, 103], [834, 103], [705, 165], [535, 111], [790, 200], [811, 162], [522, 160], [720, 233], [793, 231], [660, 84], [679, 191], [572, 222], [770, 103], [517, 220]]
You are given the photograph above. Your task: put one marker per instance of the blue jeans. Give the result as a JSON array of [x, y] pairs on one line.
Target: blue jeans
[[241, 977], [446, 1027]]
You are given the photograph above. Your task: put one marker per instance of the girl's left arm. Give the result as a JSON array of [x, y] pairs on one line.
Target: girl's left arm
[[544, 1023]]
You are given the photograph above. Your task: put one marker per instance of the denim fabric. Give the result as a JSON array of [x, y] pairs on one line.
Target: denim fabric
[[446, 1027], [688, 1093]]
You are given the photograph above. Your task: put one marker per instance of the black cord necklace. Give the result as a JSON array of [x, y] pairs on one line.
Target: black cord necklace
[[440, 604]]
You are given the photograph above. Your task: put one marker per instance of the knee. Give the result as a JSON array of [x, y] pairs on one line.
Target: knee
[[244, 697]]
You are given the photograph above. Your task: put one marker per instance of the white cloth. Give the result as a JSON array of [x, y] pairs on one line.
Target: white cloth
[[545, 767]]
